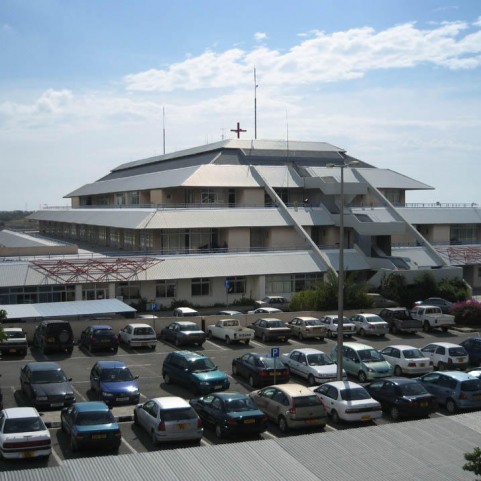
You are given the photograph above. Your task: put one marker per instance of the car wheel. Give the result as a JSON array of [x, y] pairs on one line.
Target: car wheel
[[282, 422], [394, 412], [441, 366], [218, 431], [426, 326], [451, 406], [228, 340], [362, 332], [444, 329], [177, 342], [311, 380], [252, 382], [335, 417], [136, 418], [234, 369], [162, 335], [154, 347], [247, 341], [167, 379], [362, 376], [263, 338], [115, 350], [73, 444], [398, 371], [301, 337]]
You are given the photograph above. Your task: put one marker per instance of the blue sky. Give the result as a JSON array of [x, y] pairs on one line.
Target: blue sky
[[83, 86]]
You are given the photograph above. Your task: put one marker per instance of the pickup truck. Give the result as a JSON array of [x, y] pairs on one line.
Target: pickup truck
[[230, 330], [432, 317], [400, 320]]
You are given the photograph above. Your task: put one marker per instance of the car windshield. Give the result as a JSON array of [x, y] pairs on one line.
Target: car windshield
[[471, 385], [104, 332], [313, 322], [370, 355], [402, 315], [188, 327], [275, 324], [15, 335], [143, 331], [239, 405], [116, 375], [94, 417], [47, 377], [182, 414], [374, 319], [457, 351], [23, 425], [270, 362], [306, 401], [413, 354], [319, 359], [355, 394], [336, 320], [412, 389], [201, 365]]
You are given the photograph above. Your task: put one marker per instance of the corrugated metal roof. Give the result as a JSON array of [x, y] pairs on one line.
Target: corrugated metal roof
[[441, 215], [424, 450], [67, 309], [9, 238], [419, 255]]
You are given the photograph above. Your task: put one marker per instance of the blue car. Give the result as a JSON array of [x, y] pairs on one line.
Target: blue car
[[454, 389], [473, 348], [194, 371], [230, 413], [113, 383], [90, 425]]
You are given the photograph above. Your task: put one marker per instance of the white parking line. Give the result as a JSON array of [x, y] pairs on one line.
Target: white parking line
[[79, 394], [57, 458], [130, 447]]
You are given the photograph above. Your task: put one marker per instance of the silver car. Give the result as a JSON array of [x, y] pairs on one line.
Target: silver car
[[169, 418], [370, 324]]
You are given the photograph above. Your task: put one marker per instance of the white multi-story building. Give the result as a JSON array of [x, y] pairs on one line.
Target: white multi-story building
[[240, 218]]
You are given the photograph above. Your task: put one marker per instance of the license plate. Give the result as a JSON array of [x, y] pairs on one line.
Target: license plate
[[249, 421], [99, 436], [181, 426], [276, 373], [424, 404], [122, 399], [313, 421], [282, 338], [218, 386], [105, 341], [365, 418], [51, 339], [56, 405], [144, 344], [12, 350], [477, 396], [422, 365], [461, 359], [27, 454]]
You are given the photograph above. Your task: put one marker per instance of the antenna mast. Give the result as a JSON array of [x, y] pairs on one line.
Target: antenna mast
[[255, 103], [163, 128]]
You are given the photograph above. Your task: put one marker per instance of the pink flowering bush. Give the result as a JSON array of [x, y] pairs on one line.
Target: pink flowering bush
[[467, 313]]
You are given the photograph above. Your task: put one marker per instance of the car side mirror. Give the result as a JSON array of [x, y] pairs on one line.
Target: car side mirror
[[69, 379], [136, 377]]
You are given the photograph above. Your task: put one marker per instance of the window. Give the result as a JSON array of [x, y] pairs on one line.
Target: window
[[209, 196], [129, 290], [119, 199], [237, 285], [166, 288], [134, 198], [463, 234], [278, 283], [200, 287]]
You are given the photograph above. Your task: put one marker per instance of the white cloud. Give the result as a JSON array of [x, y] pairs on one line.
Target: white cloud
[[259, 36]]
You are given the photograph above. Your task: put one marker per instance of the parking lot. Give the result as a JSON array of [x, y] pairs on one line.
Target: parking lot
[[147, 365]]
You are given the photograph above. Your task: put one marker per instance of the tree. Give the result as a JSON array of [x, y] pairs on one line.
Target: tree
[[474, 461], [3, 316]]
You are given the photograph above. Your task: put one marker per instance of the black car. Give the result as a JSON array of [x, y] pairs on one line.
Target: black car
[[99, 338], [46, 385], [437, 301], [402, 397], [230, 413], [54, 335], [473, 348], [260, 370], [183, 333]]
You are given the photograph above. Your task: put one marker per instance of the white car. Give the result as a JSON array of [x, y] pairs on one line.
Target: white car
[[23, 434], [15, 342], [265, 310], [331, 323], [370, 324], [169, 419], [138, 335], [407, 360], [314, 365], [446, 355], [347, 401], [185, 312]]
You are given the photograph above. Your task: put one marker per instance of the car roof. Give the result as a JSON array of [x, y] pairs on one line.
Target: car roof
[[89, 406], [189, 355], [400, 380], [367, 314], [186, 323], [171, 402], [402, 346], [230, 395], [343, 384], [459, 375], [269, 319], [395, 309], [139, 324], [13, 329], [21, 412], [307, 318], [308, 350], [43, 366], [294, 389], [101, 327], [111, 364], [443, 344], [357, 345], [185, 309]]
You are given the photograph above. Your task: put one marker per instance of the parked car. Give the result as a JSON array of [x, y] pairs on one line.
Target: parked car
[[407, 360], [347, 401], [23, 434], [370, 324], [99, 338], [291, 406], [279, 302], [90, 425], [307, 328], [114, 383], [230, 414], [271, 330], [260, 370], [185, 312], [54, 335], [169, 419], [265, 310], [446, 355], [46, 385], [400, 320], [311, 364], [138, 335], [432, 317], [230, 330], [183, 333], [331, 322], [229, 313], [402, 397], [473, 348], [436, 301], [454, 389], [15, 342], [363, 361], [194, 371], [379, 300]]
